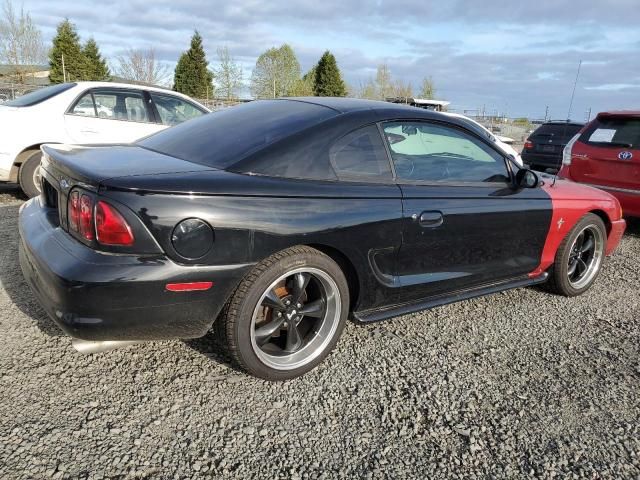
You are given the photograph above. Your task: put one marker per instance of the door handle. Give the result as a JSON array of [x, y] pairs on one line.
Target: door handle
[[430, 219]]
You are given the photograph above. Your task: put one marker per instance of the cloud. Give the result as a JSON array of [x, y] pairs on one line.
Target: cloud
[[516, 57]]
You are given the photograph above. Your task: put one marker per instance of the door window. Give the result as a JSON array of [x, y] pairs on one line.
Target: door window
[[84, 107], [113, 105], [426, 152], [174, 110], [361, 155]]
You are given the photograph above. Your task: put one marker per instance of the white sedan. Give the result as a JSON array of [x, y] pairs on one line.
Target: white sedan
[[498, 140], [82, 113]]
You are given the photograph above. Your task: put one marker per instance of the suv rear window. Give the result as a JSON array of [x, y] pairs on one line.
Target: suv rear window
[[561, 132], [223, 138], [613, 132], [40, 95]]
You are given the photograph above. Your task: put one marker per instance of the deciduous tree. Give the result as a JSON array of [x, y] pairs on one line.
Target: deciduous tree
[[384, 83], [276, 74], [428, 89], [228, 75], [142, 66], [21, 45]]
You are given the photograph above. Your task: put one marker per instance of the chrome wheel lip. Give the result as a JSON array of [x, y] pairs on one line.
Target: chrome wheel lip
[[594, 263], [315, 345]]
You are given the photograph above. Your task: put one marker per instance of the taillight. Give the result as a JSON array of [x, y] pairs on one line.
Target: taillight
[[111, 227], [74, 211], [566, 153], [86, 217], [528, 144]]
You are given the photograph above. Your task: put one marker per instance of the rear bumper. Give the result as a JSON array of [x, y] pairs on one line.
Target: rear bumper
[[97, 296]]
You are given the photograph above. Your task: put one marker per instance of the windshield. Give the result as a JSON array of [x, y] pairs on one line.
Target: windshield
[[223, 138], [40, 95]]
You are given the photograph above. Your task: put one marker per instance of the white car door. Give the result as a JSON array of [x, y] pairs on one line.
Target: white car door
[[110, 115]]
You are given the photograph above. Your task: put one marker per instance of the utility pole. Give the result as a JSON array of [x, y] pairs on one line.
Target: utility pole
[[574, 91], [589, 114], [546, 113], [64, 72]]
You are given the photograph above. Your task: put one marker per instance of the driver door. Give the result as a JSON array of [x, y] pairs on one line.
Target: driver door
[[464, 225]]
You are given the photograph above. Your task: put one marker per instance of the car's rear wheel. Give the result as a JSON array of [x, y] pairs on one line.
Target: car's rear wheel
[[29, 175], [579, 257], [287, 315]]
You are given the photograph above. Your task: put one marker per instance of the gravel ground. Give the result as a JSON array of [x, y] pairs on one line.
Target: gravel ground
[[517, 384]]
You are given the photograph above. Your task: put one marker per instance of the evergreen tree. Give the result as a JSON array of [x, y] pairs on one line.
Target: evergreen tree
[[328, 81], [192, 76], [96, 66], [66, 44]]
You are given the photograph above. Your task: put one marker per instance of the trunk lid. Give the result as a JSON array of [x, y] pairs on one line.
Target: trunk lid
[[608, 152], [91, 165]]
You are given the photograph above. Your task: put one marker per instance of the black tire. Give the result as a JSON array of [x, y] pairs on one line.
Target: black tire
[[26, 176], [560, 278], [236, 325]]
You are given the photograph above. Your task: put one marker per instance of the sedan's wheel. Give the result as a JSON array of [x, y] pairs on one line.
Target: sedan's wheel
[[288, 314], [579, 257], [29, 175]]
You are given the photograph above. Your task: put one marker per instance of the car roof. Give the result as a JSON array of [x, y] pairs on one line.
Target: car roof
[[564, 122], [621, 113], [346, 105], [132, 86]]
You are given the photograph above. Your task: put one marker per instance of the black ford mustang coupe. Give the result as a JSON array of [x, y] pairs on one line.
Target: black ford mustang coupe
[[277, 219]]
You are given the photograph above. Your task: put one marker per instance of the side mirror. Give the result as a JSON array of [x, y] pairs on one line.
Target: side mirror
[[526, 178]]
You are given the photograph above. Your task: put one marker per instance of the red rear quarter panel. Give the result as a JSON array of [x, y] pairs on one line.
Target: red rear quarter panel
[[571, 201]]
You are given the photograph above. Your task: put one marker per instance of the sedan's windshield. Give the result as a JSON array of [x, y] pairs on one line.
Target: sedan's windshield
[[40, 95]]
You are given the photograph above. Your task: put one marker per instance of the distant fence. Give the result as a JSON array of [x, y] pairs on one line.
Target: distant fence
[[10, 91]]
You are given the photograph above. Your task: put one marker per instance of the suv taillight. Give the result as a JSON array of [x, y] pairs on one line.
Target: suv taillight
[[528, 144], [111, 227], [566, 153], [101, 222]]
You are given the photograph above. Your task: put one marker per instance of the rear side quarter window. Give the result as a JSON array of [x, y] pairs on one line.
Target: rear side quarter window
[[361, 156]]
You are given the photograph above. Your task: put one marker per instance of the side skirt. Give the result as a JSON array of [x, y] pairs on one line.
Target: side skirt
[[377, 314]]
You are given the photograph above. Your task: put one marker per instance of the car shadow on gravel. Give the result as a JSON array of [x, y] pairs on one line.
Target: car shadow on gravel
[[11, 278], [210, 347], [633, 227]]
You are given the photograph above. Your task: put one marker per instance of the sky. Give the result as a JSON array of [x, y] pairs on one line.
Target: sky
[[513, 58]]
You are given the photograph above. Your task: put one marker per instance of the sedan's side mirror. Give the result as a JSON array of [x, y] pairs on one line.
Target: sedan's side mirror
[[526, 178]]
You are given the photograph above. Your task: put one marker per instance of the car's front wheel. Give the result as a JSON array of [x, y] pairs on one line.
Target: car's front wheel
[[29, 175], [287, 315], [579, 257]]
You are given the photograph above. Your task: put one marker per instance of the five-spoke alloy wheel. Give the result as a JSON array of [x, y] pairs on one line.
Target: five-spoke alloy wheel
[[287, 315], [579, 257]]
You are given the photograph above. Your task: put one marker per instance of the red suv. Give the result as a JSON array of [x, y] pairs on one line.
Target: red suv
[[606, 154]]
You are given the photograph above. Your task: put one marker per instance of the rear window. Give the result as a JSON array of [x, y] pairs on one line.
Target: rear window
[[223, 138], [40, 95], [613, 132], [560, 132]]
